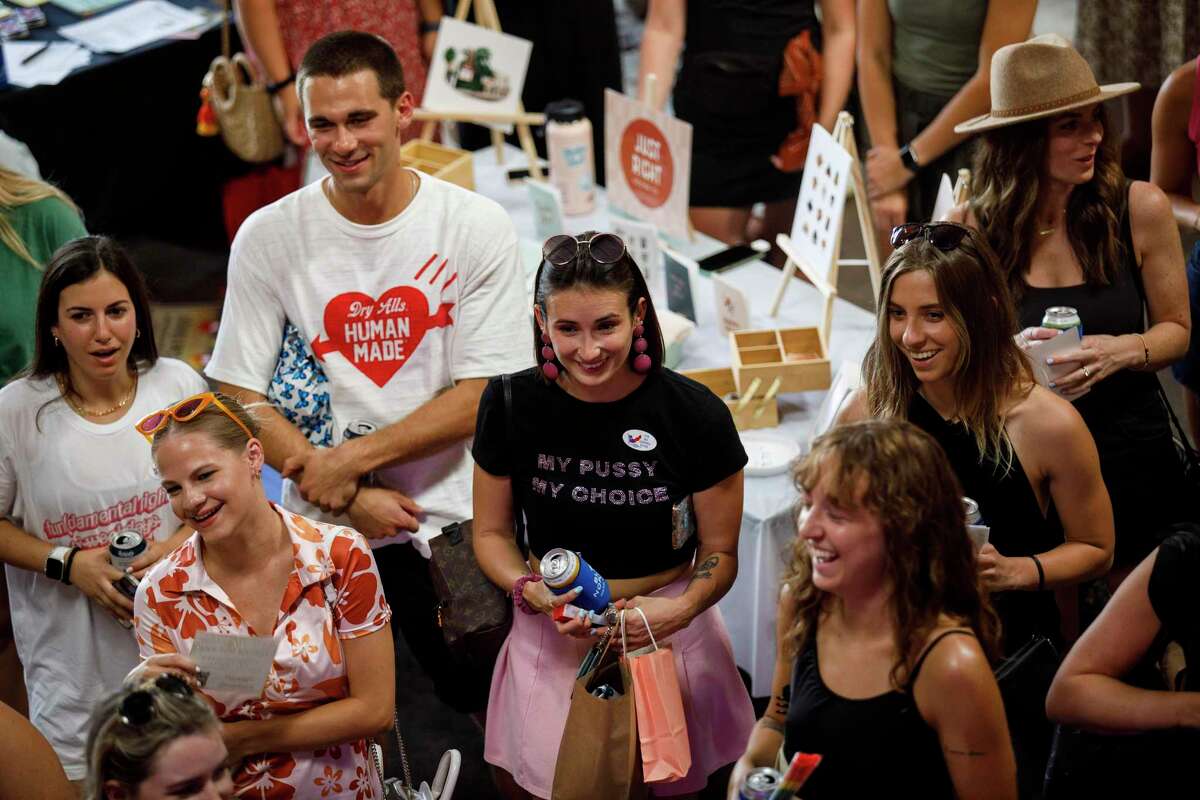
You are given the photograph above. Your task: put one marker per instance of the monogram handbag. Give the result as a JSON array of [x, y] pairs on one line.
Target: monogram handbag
[[242, 106], [473, 613]]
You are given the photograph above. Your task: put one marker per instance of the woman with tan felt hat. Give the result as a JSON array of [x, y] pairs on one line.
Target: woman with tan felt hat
[[1070, 230]]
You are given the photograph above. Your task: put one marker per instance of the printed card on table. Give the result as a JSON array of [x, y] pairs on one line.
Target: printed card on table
[[641, 239], [238, 664], [647, 163], [733, 308], [476, 70], [817, 225], [678, 276], [547, 209]]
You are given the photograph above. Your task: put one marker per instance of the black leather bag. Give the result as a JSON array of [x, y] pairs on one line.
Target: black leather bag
[[1024, 679]]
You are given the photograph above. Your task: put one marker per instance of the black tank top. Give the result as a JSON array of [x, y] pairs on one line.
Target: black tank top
[[1009, 507], [876, 747], [1129, 396], [758, 27]]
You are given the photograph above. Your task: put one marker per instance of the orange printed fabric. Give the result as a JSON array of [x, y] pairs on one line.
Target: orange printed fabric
[[334, 593]]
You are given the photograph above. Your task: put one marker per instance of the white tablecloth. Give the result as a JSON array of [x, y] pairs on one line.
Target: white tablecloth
[[768, 525]]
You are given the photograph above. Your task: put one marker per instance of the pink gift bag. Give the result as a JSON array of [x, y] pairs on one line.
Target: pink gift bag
[[662, 726]]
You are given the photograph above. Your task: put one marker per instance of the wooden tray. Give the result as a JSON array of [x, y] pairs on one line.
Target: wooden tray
[[720, 381], [448, 163], [795, 356]]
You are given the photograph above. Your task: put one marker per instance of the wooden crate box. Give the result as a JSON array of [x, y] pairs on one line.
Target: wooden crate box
[[795, 356], [448, 163], [758, 413]]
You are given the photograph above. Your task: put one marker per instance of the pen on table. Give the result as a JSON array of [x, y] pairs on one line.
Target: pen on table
[[35, 54]]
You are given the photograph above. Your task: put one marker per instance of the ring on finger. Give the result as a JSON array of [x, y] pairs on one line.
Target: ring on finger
[[1086, 373]]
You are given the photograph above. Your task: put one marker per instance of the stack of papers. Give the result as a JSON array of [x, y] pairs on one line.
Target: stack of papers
[[47, 68], [132, 27]]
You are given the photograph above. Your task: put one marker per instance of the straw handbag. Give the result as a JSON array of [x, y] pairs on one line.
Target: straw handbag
[[242, 105]]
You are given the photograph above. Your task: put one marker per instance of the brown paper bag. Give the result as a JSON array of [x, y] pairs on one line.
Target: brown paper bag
[[599, 754]]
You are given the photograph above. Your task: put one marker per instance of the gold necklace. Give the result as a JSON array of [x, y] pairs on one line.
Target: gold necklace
[[87, 412], [1047, 231]]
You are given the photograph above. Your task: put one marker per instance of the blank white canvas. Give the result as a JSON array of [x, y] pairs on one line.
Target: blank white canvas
[[818, 221]]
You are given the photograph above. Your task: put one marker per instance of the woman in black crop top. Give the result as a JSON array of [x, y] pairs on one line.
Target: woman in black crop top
[[944, 358], [870, 673], [1070, 230], [602, 446]]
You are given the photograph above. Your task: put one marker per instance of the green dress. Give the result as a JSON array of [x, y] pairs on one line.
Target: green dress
[[44, 226]]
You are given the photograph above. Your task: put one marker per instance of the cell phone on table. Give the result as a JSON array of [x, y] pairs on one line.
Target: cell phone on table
[[731, 256]]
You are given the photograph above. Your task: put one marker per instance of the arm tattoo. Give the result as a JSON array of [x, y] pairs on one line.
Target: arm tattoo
[[772, 725], [968, 753], [782, 702], [705, 569]]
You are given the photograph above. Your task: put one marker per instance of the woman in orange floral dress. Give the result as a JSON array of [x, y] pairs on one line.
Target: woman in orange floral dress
[[254, 569]]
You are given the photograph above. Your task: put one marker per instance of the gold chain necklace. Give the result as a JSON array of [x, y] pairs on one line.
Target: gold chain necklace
[[87, 412]]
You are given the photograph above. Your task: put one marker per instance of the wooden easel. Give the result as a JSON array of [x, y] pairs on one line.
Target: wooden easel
[[843, 134], [486, 17]]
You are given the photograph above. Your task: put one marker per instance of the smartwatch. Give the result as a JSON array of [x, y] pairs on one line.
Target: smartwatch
[[56, 563], [908, 157]]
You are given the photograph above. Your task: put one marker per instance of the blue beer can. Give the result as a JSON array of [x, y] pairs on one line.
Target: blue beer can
[[563, 570]]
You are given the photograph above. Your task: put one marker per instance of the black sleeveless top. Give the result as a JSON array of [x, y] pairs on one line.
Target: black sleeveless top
[[749, 26], [1009, 507], [875, 747], [1128, 398]]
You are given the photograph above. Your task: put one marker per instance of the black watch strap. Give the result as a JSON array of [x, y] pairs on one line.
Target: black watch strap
[[428, 26], [908, 158], [273, 88]]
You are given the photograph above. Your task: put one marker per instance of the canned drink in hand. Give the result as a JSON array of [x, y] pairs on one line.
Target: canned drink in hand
[[357, 428], [563, 570], [124, 547], [972, 509], [1062, 318], [760, 784]]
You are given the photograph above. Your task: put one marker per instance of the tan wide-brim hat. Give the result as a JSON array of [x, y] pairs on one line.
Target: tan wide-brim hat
[[1040, 78]]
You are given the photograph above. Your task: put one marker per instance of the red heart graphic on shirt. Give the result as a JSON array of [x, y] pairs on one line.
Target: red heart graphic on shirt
[[379, 336]]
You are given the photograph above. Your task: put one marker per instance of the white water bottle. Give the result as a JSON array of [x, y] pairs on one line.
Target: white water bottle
[[572, 163]]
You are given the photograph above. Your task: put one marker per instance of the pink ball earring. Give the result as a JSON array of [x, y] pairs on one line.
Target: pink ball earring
[[641, 362], [549, 369]]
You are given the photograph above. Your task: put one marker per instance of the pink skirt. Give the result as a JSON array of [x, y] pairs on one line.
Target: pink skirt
[[531, 694]]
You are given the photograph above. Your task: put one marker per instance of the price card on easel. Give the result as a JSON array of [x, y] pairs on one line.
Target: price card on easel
[[641, 239], [547, 209]]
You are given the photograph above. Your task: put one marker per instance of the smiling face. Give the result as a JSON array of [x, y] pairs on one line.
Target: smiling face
[[1072, 140], [845, 541], [355, 131], [591, 331], [212, 488], [918, 326], [96, 326], [193, 766]]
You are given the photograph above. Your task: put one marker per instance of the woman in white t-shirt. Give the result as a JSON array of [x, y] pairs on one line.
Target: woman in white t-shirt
[[73, 471]]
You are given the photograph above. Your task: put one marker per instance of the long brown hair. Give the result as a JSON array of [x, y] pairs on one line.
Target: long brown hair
[[990, 372], [898, 472], [1005, 178], [16, 190]]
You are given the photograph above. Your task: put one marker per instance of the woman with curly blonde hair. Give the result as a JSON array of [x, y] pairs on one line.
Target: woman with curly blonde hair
[[884, 635]]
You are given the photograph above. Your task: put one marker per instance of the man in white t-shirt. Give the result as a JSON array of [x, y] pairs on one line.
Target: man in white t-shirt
[[408, 291]]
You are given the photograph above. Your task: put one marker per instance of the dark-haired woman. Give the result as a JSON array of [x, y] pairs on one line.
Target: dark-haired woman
[[72, 472], [1048, 193], [604, 444], [883, 634]]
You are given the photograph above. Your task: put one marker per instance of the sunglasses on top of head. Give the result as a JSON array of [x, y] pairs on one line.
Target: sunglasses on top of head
[[604, 248], [945, 236]]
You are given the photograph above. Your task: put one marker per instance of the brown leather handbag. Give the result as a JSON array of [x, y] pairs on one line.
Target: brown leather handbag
[[474, 614], [801, 78]]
